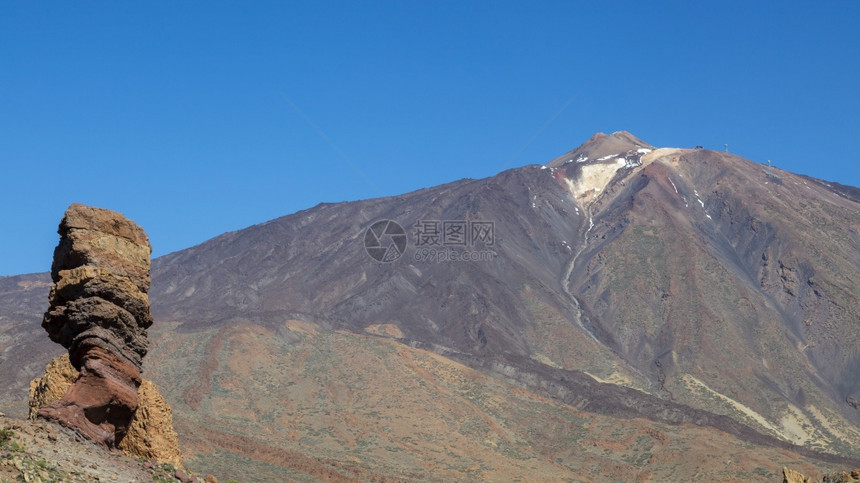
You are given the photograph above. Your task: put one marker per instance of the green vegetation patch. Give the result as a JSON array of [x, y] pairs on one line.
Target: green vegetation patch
[[6, 435]]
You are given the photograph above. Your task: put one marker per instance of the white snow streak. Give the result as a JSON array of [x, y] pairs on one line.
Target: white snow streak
[[673, 185]]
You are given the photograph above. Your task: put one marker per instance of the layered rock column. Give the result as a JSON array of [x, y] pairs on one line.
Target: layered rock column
[[99, 311]]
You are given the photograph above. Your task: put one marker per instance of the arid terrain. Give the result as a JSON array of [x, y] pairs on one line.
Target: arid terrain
[[639, 314], [45, 452]]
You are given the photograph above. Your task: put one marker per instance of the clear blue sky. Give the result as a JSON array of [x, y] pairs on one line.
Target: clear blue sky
[[180, 114]]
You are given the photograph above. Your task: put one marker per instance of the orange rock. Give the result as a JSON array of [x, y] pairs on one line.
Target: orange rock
[[151, 434], [791, 476]]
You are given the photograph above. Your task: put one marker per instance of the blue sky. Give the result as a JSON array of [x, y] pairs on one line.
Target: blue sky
[[196, 118]]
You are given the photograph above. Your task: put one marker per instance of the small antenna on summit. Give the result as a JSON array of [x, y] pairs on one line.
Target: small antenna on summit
[[769, 171], [727, 147]]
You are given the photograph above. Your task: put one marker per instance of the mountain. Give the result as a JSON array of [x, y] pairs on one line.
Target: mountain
[[623, 310], [602, 147]]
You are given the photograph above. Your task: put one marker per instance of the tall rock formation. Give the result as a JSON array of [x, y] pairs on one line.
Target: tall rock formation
[[99, 311]]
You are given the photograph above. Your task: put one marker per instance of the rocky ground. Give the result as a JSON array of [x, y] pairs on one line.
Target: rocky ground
[[44, 452], [792, 476]]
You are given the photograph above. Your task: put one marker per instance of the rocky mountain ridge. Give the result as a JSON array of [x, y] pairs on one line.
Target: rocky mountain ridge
[[686, 287]]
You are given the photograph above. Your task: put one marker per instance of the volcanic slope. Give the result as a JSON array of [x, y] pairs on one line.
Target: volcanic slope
[[678, 288], [689, 274]]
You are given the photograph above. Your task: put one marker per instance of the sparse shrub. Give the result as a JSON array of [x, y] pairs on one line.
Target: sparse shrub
[[763, 472], [16, 447], [6, 435]]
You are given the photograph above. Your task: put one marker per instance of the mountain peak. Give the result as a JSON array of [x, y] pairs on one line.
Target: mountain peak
[[601, 145]]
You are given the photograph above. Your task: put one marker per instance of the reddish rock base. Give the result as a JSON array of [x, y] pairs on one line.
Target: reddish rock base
[[102, 400], [150, 434]]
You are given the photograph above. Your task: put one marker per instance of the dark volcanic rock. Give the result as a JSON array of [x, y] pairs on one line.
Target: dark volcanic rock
[[99, 311]]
